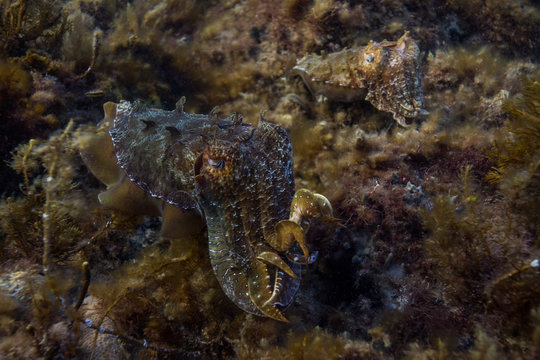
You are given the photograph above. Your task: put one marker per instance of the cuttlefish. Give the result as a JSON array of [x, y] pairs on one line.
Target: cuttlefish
[[387, 74], [235, 177]]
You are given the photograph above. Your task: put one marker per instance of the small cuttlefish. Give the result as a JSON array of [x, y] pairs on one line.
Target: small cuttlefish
[[387, 74]]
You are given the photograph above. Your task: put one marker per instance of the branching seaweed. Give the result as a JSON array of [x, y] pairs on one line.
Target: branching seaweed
[[517, 291], [458, 242], [23, 21], [49, 225], [517, 155], [482, 247]]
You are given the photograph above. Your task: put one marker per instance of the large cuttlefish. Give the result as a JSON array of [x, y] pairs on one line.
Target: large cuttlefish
[[236, 176]]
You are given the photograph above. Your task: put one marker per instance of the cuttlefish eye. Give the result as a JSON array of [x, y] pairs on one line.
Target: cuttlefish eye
[[216, 164], [369, 58]]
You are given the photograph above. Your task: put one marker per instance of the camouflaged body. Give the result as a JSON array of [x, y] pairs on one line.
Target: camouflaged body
[[239, 175], [387, 74]]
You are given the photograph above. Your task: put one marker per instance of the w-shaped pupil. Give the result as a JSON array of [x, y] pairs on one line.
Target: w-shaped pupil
[[216, 164]]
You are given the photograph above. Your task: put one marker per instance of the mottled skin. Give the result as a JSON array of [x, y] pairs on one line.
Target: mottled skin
[[386, 74], [243, 202], [239, 176]]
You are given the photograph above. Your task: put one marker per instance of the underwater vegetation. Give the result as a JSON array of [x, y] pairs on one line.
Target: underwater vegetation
[[486, 255], [24, 24], [436, 251], [517, 155]]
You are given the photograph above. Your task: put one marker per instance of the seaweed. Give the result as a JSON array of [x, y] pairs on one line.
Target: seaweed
[[496, 18], [517, 155], [24, 22], [481, 251], [163, 298], [48, 226], [314, 344], [516, 294], [461, 244]]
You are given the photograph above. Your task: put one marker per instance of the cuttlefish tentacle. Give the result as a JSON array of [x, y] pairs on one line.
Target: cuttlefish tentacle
[[260, 291], [287, 232], [283, 288], [274, 259], [306, 206]]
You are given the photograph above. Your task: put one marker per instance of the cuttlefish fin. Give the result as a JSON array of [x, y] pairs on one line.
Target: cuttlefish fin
[[97, 150], [127, 197], [178, 223]]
